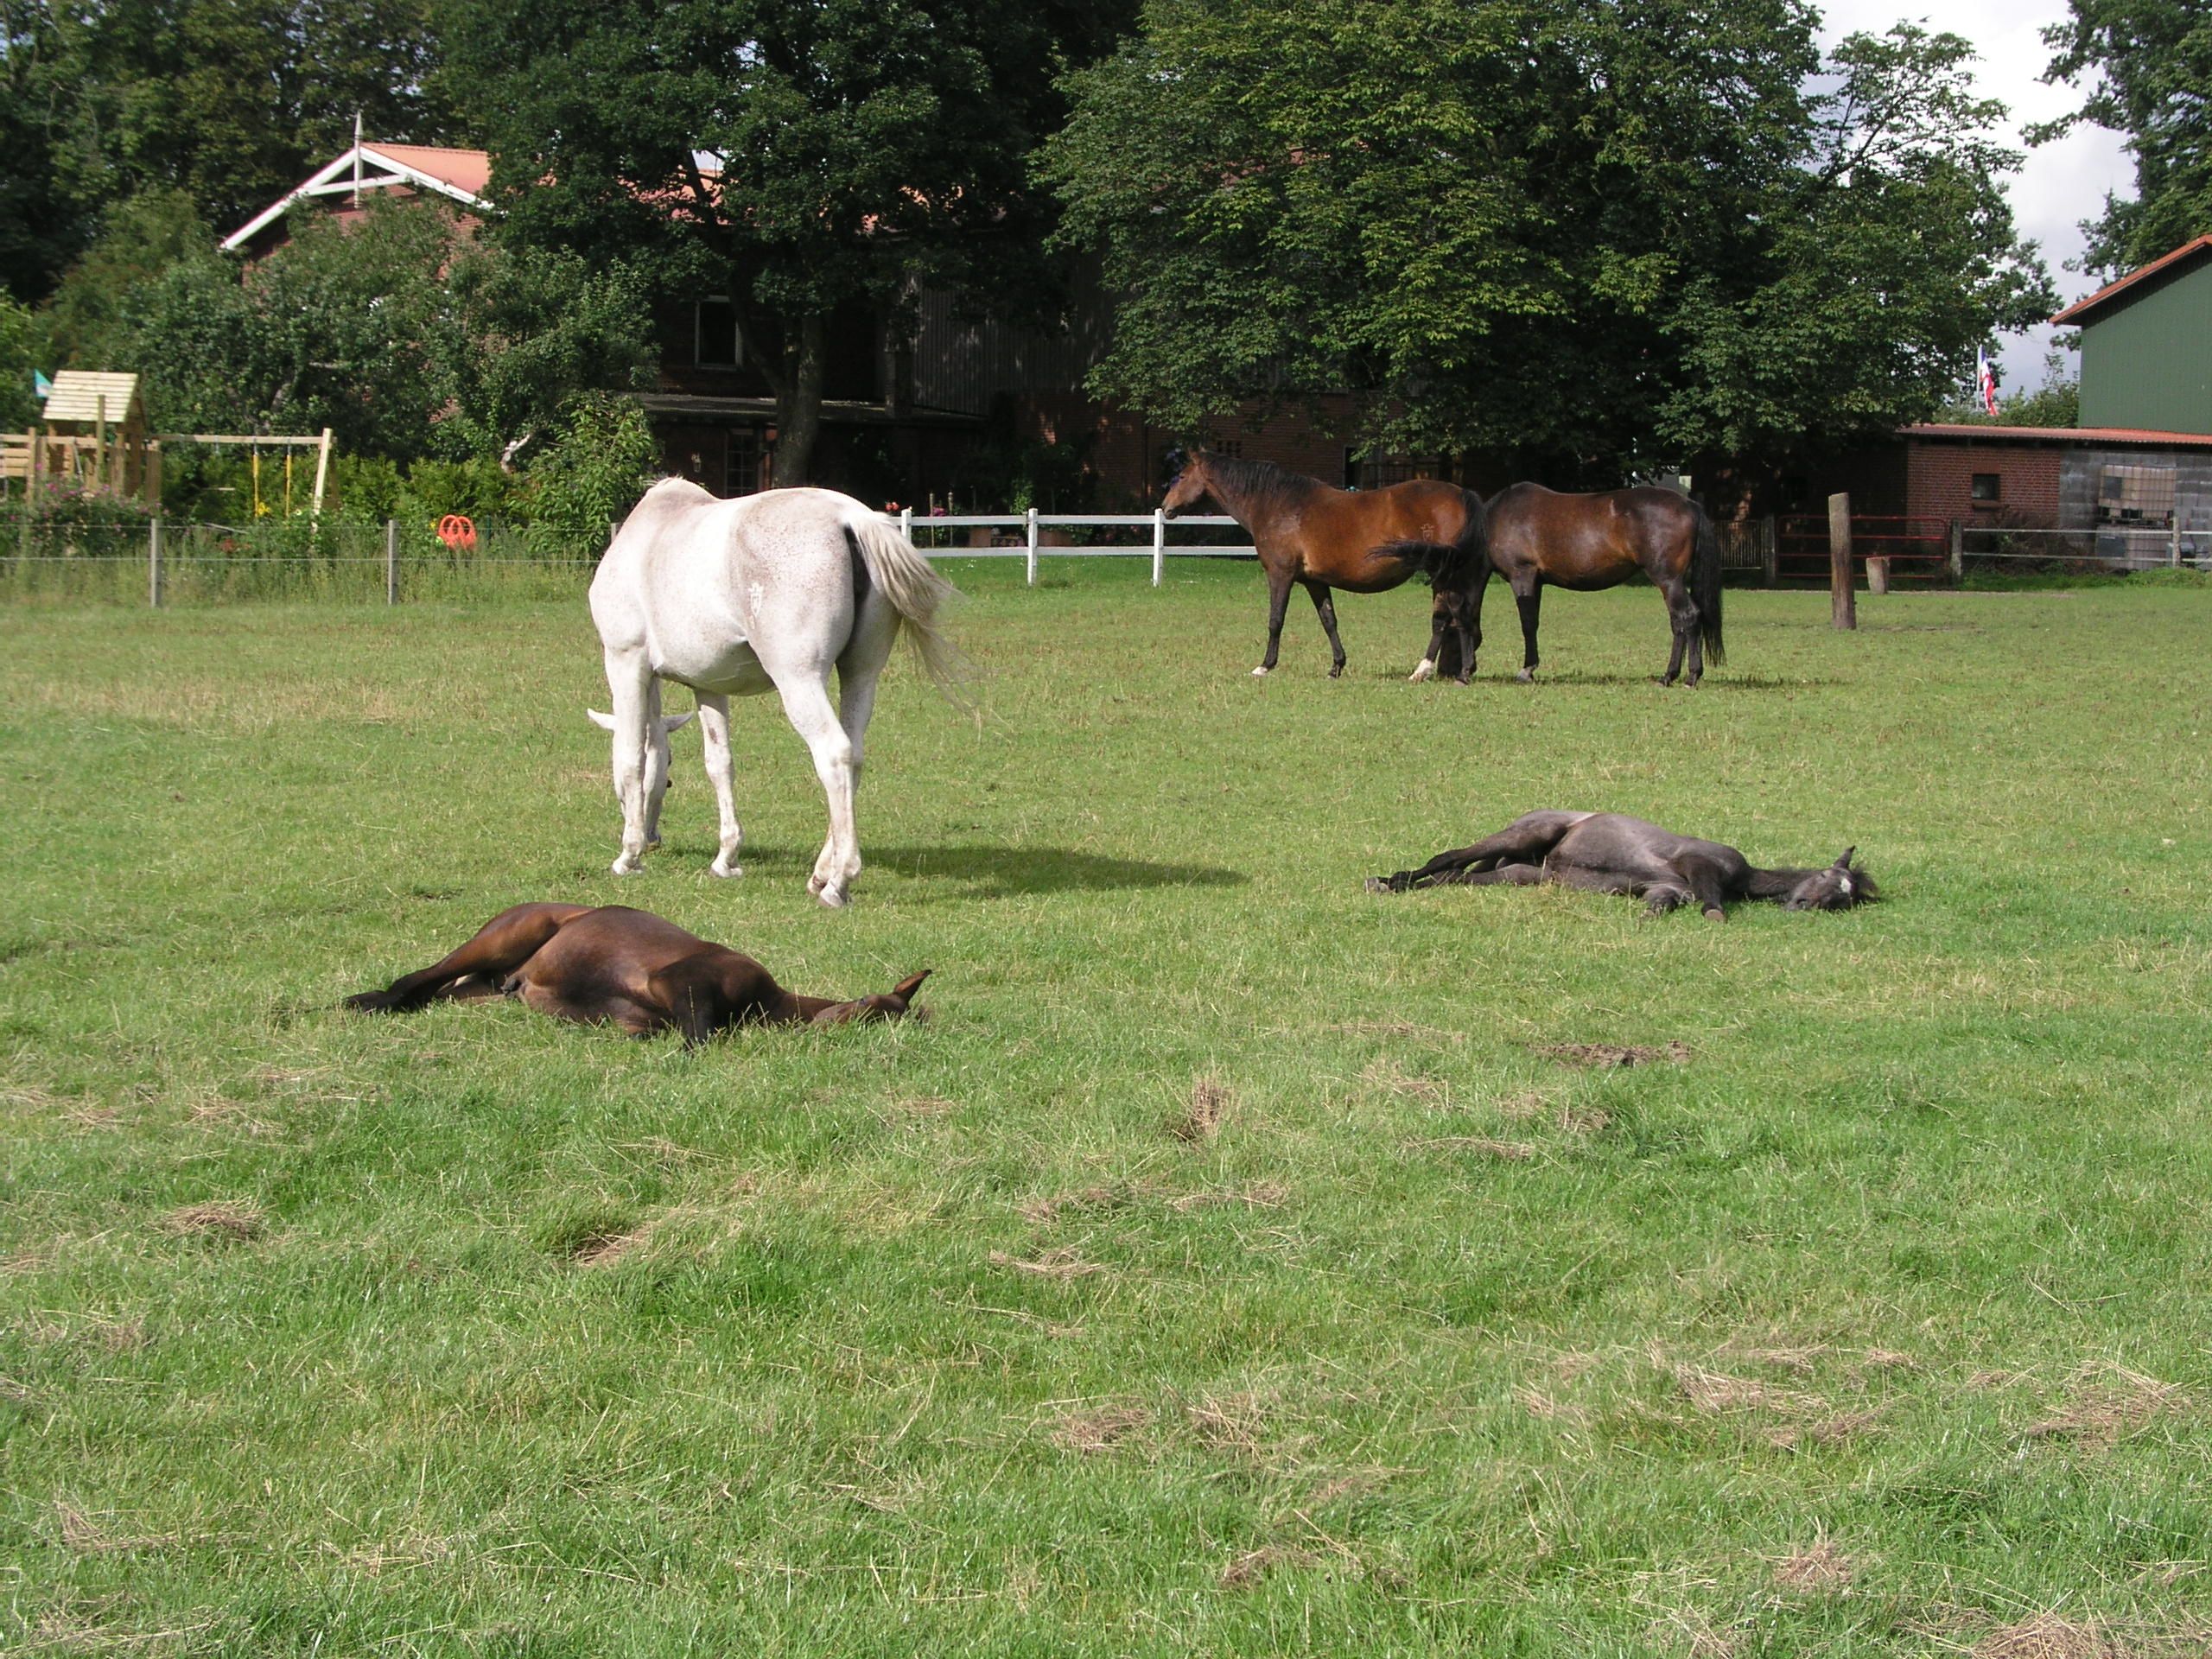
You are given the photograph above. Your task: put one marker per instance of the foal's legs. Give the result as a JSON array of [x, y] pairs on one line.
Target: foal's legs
[[1278, 601], [1530, 598], [1326, 606], [1527, 841], [630, 681], [722, 773], [501, 946]]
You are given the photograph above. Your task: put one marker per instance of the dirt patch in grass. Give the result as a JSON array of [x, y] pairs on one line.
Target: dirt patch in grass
[[1824, 1431], [1099, 1430], [1249, 1568], [1385, 1075], [1091, 1200], [2105, 1411], [604, 1250], [1820, 1570], [1607, 1056], [231, 1220], [1211, 1104], [1063, 1263]]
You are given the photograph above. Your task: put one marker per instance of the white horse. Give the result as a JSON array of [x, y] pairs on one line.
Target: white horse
[[735, 598]]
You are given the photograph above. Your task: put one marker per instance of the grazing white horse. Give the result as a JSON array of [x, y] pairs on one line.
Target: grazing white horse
[[764, 593]]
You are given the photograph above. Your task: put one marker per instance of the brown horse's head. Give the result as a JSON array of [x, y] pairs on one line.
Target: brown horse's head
[[1838, 887], [1190, 486]]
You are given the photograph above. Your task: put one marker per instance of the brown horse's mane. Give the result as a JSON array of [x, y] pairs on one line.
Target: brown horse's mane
[[1261, 483]]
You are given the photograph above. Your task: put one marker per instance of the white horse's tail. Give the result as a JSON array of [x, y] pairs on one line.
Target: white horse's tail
[[916, 591]]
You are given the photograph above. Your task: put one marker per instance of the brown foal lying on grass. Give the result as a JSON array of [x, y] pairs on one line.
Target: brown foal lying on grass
[[636, 969], [1610, 853]]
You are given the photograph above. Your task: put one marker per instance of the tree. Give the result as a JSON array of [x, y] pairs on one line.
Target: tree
[[1584, 238], [2149, 64], [228, 101], [18, 406], [802, 158], [400, 333]]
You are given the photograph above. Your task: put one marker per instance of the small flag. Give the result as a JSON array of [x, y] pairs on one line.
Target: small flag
[[40, 386], [1985, 379]]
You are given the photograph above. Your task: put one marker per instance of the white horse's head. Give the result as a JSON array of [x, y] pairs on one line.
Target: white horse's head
[[657, 755]]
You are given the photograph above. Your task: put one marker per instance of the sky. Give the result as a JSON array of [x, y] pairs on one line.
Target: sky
[[2062, 183]]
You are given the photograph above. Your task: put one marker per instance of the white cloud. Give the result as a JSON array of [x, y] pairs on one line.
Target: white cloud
[[2060, 184]]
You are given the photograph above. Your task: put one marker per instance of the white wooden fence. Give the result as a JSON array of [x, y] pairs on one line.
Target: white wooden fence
[[1031, 524]]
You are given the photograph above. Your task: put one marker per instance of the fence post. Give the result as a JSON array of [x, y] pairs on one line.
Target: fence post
[[1159, 544], [907, 524], [1843, 603], [1878, 572], [1958, 553], [1771, 551], [392, 561], [1032, 547], [153, 564], [2173, 540]]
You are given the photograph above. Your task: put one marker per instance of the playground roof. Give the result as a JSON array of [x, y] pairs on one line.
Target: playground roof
[[78, 394]]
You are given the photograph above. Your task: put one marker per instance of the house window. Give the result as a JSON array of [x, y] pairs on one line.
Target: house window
[[714, 343], [1988, 488], [750, 449]]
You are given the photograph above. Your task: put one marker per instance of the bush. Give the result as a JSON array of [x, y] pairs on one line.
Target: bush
[[592, 476]]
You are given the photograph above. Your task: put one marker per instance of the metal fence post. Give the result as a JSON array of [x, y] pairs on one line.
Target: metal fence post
[[153, 564], [1159, 544], [1958, 552], [1032, 547], [392, 561], [1843, 603]]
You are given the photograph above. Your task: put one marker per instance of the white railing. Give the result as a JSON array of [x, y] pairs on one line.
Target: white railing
[[2120, 547], [1032, 523]]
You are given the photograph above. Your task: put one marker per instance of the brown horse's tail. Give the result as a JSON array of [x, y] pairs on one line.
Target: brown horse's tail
[[1474, 545], [1704, 584]]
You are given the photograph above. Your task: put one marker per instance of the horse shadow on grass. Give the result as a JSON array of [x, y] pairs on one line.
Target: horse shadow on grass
[[999, 872], [1725, 680]]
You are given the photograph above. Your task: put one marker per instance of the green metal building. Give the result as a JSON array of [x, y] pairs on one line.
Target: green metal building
[[2147, 345]]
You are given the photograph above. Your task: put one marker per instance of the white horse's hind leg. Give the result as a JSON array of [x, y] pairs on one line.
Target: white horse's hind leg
[[807, 704], [630, 681], [713, 727]]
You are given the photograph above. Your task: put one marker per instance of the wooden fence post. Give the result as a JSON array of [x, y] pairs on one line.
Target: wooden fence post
[[2173, 540], [392, 561], [1878, 572], [153, 564], [1159, 544], [1770, 550], [1958, 553], [1843, 603], [1032, 547]]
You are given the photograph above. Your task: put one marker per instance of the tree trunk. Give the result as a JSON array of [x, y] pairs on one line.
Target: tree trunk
[[798, 408]]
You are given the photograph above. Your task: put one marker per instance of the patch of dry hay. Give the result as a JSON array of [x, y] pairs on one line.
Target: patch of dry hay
[[1508, 1152], [1820, 1570], [1385, 1075], [1063, 1264], [2107, 1411], [1099, 1430], [1247, 1569], [1210, 1104], [1606, 1056], [233, 1220]]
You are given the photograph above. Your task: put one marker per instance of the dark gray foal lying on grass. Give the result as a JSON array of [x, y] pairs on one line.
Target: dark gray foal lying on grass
[[643, 972], [1608, 853]]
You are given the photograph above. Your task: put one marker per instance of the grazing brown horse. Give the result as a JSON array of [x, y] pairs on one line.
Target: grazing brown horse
[[1587, 542], [633, 968], [1609, 853], [1364, 541]]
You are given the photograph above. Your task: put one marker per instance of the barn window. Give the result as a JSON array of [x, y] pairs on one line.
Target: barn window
[[714, 336], [1988, 487]]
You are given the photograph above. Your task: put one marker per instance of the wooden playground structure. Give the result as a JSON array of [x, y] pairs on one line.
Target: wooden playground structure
[[94, 437]]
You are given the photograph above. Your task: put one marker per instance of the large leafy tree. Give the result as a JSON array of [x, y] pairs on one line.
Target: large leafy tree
[[803, 158], [2148, 66], [228, 102], [1580, 238]]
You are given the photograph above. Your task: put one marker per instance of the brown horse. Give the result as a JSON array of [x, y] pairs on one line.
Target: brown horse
[[1609, 852], [1587, 542], [1364, 541], [636, 969]]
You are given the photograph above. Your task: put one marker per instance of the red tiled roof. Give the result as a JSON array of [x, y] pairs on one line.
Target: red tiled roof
[[2058, 434], [2080, 310], [464, 169]]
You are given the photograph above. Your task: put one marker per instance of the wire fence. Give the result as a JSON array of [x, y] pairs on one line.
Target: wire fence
[[151, 561]]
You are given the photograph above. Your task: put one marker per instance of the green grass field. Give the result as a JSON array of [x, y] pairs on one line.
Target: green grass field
[[1225, 1267]]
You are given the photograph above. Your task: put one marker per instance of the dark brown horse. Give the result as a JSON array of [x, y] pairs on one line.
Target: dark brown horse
[[1364, 541], [630, 967], [1587, 542], [1609, 853]]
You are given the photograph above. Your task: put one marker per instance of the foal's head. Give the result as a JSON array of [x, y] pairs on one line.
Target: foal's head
[[1190, 484], [1838, 887]]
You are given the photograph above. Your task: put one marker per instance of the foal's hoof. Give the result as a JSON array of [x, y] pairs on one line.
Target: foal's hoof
[[1377, 884], [1260, 673], [1425, 672], [1527, 676]]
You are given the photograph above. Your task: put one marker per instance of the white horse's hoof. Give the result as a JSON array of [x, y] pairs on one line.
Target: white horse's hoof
[[1425, 672], [728, 871], [626, 865], [1259, 673], [832, 897]]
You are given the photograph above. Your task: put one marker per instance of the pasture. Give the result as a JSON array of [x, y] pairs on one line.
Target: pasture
[[1236, 1261]]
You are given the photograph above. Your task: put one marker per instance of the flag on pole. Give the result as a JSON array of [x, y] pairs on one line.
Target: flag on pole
[[1985, 379], [40, 386]]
